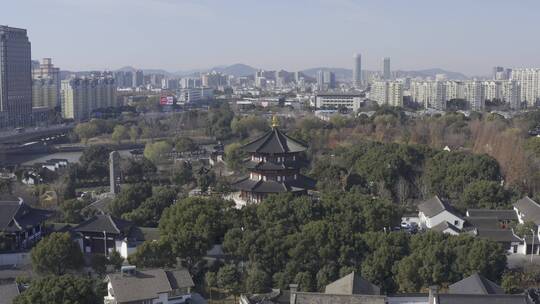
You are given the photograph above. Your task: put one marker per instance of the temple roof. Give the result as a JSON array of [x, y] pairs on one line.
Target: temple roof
[[269, 165], [274, 142], [270, 186], [18, 216]]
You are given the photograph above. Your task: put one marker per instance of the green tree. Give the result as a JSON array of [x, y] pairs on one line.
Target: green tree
[[137, 171], [183, 173], [525, 229], [86, 130], [193, 225], [129, 198], [210, 280], [120, 132], [99, 264], [134, 133], [149, 211], [257, 281], [228, 278], [71, 210], [65, 289], [234, 156], [249, 125], [185, 144], [153, 254], [158, 151], [94, 163], [116, 260], [484, 194], [56, 254]]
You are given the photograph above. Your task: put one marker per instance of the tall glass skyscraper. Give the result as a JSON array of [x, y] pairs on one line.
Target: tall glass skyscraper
[[386, 68], [357, 71], [15, 77]]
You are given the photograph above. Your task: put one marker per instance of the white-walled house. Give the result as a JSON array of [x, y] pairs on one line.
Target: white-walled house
[[433, 212], [103, 234], [150, 286]]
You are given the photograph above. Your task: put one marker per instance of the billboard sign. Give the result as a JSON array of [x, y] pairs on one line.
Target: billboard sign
[[166, 100]]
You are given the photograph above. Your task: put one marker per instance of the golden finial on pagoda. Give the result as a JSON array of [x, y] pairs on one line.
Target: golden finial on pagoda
[[275, 121]]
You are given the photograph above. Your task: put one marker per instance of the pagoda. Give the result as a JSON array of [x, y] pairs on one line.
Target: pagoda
[[274, 167]]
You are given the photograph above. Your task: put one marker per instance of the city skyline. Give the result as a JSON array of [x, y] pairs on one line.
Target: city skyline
[[99, 34]]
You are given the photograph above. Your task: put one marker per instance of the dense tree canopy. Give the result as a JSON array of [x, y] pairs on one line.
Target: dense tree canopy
[[193, 225], [55, 254], [65, 289]]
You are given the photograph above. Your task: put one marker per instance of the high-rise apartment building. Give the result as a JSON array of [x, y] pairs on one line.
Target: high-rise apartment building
[[46, 85], [15, 77], [529, 80], [387, 93], [357, 71], [474, 95], [138, 79], [81, 96], [511, 93], [45, 93], [387, 74]]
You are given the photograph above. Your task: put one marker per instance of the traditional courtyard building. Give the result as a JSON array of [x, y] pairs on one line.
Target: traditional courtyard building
[[274, 164]]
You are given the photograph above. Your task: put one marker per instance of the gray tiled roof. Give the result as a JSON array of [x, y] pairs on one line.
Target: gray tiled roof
[[529, 208], [274, 142], [475, 284], [481, 299], [323, 298], [270, 186], [434, 206], [147, 284], [179, 278], [441, 227], [107, 223], [483, 222], [17, 216], [498, 214], [351, 284], [498, 235]]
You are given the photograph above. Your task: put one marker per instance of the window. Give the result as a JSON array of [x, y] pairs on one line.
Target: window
[[456, 223]]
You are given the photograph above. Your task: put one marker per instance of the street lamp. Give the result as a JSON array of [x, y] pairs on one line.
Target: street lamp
[[532, 248]]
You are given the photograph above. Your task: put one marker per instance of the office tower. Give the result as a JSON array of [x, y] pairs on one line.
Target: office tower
[[474, 96], [357, 71], [320, 79], [81, 96], [138, 79], [329, 79], [387, 93], [46, 85], [15, 77], [120, 79], [529, 80], [386, 68], [128, 79], [511, 93]]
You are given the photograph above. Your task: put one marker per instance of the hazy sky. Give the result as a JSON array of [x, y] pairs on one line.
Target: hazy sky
[[470, 36]]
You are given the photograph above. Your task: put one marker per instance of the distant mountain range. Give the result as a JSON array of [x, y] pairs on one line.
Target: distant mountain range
[[239, 70]]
